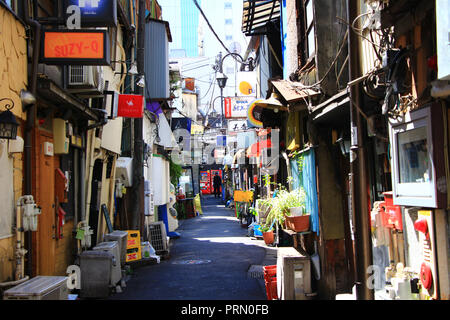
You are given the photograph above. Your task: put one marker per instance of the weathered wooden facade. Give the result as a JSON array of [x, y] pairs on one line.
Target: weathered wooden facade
[[353, 67]]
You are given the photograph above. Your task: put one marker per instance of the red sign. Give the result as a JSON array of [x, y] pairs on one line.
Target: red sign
[[130, 106]]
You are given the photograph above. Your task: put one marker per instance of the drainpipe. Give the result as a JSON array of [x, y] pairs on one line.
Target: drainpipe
[[30, 123], [358, 169]]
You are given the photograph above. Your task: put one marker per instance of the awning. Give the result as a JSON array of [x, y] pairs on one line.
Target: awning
[[255, 149], [256, 14], [334, 111], [293, 92], [50, 91]]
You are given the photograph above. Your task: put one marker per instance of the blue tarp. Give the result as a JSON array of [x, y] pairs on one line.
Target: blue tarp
[[307, 179]]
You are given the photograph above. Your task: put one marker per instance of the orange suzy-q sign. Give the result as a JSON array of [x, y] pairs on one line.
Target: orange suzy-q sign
[[74, 45]]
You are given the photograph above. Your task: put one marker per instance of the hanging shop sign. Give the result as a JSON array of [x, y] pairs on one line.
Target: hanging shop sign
[[75, 47], [236, 107], [237, 125], [247, 81], [130, 106], [94, 13], [221, 141], [254, 115]]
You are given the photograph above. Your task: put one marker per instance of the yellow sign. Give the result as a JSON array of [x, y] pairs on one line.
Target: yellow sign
[[196, 129]]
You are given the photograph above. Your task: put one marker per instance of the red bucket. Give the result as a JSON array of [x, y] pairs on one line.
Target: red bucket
[[270, 280]]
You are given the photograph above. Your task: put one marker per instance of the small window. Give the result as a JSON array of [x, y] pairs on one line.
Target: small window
[[228, 5], [228, 37], [310, 44], [228, 21]]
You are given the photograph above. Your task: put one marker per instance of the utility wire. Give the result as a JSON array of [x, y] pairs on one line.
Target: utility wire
[[213, 31]]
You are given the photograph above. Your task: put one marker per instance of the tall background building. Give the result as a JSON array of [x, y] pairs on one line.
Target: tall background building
[[195, 46]]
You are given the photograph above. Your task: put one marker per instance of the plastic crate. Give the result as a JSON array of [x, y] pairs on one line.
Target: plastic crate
[[134, 254], [257, 230], [133, 239], [270, 280]]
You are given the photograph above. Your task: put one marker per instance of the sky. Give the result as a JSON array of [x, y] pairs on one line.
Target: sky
[[217, 13]]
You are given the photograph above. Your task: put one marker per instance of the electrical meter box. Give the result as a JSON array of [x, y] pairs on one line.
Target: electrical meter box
[[112, 247], [124, 170], [39, 288]]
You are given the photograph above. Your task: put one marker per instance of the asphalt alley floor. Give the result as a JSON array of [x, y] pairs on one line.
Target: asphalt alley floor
[[213, 259]]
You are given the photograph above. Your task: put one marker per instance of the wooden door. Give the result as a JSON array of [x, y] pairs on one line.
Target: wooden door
[[45, 198]]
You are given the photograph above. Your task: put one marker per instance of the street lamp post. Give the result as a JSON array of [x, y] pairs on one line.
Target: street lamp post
[[222, 82]]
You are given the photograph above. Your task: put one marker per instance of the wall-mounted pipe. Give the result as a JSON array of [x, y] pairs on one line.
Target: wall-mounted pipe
[[31, 119]]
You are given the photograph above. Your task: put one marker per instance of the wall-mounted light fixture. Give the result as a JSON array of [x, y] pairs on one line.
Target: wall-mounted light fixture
[[141, 82], [344, 144], [133, 69], [8, 122], [27, 99]]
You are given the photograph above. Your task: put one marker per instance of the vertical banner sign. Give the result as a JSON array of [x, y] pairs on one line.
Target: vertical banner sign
[[130, 106]]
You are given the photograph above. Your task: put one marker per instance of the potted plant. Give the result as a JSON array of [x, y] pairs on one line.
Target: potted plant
[[289, 208], [297, 219], [267, 233]]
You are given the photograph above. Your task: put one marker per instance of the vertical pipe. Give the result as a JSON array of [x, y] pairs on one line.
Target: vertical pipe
[[221, 107], [358, 169], [138, 125], [30, 122]]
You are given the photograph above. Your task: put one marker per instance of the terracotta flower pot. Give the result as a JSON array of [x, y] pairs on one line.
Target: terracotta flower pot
[[298, 224], [268, 237]]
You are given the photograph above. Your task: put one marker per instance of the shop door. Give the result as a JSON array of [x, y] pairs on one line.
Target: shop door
[[45, 198]]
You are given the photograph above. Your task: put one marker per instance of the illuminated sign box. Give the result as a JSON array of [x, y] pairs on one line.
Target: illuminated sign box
[[95, 13], [75, 47]]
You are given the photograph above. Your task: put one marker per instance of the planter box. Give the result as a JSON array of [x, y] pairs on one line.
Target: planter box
[[298, 224]]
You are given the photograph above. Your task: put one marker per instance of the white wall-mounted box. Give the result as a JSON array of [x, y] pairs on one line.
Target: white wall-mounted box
[[418, 159], [443, 38], [124, 170]]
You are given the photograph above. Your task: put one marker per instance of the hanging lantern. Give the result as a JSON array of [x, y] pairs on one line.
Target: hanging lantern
[[8, 122]]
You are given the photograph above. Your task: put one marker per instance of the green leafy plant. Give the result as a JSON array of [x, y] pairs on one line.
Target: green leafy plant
[[280, 204], [265, 228], [175, 172], [253, 211]]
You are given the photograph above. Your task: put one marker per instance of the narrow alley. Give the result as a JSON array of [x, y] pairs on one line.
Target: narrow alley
[[210, 261]]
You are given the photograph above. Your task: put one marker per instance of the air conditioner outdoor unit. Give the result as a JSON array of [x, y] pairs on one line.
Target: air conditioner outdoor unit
[[114, 249], [158, 236], [39, 288], [86, 80]]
